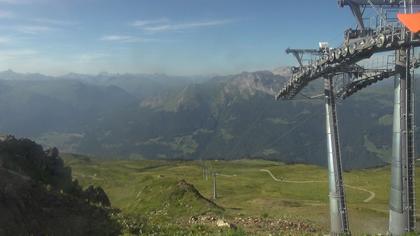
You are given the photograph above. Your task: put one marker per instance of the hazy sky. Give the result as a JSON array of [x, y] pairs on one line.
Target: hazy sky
[[162, 36]]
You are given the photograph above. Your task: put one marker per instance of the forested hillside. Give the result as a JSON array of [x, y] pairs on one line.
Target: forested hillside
[[164, 117]]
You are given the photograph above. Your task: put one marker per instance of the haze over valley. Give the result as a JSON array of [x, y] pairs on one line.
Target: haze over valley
[[127, 116]]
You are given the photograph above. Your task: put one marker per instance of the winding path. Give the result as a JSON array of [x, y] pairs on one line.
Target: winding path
[[371, 193]]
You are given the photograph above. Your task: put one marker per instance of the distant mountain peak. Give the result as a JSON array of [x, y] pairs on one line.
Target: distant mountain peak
[[258, 81], [283, 71], [12, 75], [8, 71]]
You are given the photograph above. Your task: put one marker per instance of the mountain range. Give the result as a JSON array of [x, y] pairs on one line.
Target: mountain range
[[158, 116]]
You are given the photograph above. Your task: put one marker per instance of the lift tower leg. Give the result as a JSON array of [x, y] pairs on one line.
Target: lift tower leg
[[402, 196], [214, 185], [338, 210]]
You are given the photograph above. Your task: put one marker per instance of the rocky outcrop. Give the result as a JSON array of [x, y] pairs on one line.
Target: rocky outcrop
[[258, 224], [39, 197], [29, 208]]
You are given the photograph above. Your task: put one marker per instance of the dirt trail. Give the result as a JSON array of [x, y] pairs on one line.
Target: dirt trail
[[291, 181], [371, 193]]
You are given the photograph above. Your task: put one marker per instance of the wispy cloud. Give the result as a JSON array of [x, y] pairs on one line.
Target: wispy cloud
[[141, 23], [90, 57], [33, 29], [17, 54], [20, 1], [12, 1], [35, 26], [163, 25], [126, 39], [44, 25], [55, 22], [6, 14], [4, 39]]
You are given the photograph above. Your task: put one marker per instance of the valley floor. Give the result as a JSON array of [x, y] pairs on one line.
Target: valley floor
[[258, 196]]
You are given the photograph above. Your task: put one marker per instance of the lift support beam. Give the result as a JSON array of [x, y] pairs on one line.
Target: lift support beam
[[402, 196], [338, 209], [298, 53]]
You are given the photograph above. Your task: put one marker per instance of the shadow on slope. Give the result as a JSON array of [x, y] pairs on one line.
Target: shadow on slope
[[28, 208], [39, 197]]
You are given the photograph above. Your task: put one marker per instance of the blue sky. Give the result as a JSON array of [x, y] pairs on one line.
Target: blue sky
[[182, 37]]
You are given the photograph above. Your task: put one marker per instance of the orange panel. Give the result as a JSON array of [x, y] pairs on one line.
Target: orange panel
[[411, 21]]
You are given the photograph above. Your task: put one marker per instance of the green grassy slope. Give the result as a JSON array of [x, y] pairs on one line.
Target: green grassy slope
[[245, 189]]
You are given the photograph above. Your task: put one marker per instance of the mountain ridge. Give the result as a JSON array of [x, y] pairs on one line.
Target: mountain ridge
[[225, 117]]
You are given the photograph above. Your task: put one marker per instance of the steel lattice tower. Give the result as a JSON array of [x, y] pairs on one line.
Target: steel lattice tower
[[361, 43]]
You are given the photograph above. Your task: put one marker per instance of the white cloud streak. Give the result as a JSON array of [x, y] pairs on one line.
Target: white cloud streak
[[16, 54], [54, 22], [16, 2], [126, 39], [33, 29], [11, 1], [161, 25], [4, 40], [90, 57], [37, 25], [141, 23], [6, 14]]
